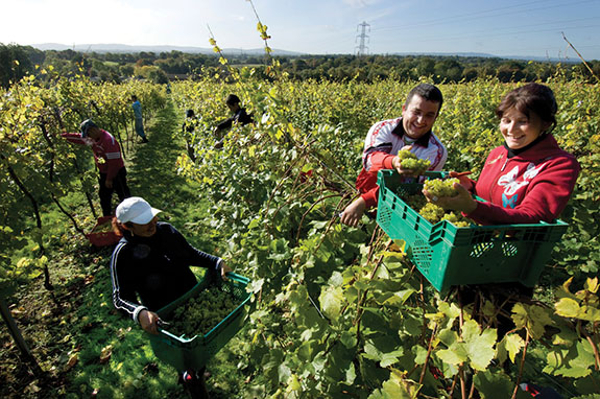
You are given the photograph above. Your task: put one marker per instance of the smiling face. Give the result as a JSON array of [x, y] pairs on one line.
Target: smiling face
[[418, 116], [520, 130]]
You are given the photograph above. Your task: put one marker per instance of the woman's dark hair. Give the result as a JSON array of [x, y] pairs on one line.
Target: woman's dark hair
[[428, 92], [117, 226], [189, 113], [532, 97], [232, 99]]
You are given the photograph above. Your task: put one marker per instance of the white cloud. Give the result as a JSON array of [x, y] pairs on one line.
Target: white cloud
[[360, 3]]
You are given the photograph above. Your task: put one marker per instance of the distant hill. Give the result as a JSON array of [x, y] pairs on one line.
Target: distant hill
[[485, 55], [124, 48]]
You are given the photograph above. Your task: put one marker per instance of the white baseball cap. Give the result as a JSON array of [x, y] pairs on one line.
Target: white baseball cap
[[136, 210]]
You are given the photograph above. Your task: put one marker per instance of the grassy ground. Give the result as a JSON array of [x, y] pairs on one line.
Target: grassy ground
[[84, 347]]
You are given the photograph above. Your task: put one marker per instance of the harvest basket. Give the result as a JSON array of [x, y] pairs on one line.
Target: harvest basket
[[102, 234], [186, 353], [447, 255]]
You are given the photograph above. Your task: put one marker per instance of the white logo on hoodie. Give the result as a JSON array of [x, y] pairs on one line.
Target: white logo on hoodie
[[512, 182]]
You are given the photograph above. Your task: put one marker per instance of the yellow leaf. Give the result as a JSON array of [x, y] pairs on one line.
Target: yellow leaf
[[72, 362], [592, 285]]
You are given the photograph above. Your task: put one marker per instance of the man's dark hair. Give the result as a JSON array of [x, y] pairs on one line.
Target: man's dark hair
[[232, 99], [428, 92], [134, 97]]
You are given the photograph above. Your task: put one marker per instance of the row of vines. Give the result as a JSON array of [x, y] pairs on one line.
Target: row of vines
[[340, 312], [39, 168]]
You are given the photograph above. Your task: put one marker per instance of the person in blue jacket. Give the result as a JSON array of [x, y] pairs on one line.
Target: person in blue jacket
[[139, 121]]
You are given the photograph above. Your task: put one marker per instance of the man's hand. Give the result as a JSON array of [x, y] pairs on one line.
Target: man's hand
[[397, 164], [463, 202], [108, 183], [148, 321], [353, 212]]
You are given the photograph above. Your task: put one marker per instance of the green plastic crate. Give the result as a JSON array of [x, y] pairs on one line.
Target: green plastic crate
[[448, 255], [185, 353]]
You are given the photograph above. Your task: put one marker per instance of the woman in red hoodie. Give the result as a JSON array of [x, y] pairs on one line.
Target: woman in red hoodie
[[530, 178]]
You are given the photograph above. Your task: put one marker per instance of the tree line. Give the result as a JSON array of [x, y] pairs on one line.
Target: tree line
[[17, 61]]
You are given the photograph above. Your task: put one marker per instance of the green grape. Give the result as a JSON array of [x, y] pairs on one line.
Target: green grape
[[405, 154], [419, 166], [457, 220], [200, 314], [416, 201], [441, 188], [432, 212]]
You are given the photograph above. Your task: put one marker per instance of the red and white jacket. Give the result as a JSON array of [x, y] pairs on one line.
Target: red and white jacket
[[530, 187], [383, 142], [107, 151]]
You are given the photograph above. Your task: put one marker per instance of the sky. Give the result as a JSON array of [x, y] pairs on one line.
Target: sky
[[532, 28]]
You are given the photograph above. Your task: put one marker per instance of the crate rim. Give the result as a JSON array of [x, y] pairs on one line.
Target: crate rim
[[181, 339], [389, 172]]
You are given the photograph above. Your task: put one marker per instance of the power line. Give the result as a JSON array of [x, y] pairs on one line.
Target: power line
[[496, 34], [478, 15]]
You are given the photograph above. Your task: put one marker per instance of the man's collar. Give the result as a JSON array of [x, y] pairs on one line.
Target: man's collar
[[422, 141]]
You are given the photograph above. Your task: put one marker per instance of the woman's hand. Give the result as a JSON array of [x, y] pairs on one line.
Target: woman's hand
[[224, 269], [148, 321], [463, 202], [463, 179]]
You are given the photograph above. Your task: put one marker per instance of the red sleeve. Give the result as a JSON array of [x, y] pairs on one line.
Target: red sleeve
[[74, 138], [545, 199], [380, 160], [371, 197]]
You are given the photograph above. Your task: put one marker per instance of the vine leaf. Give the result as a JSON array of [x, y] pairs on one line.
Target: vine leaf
[[476, 347], [567, 307], [492, 385], [574, 362], [510, 346], [454, 355], [592, 285], [397, 387], [332, 300], [479, 347], [534, 318]]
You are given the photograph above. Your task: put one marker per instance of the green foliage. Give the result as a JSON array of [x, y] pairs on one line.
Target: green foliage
[[338, 311], [344, 321]]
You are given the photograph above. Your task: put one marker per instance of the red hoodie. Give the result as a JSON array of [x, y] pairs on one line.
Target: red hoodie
[[107, 151], [530, 187]]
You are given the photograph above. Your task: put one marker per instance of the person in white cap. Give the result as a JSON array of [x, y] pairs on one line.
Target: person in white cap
[[152, 261]]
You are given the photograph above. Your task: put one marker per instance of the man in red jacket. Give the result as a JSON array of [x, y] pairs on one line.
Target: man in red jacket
[[412, 131], [108, 158]]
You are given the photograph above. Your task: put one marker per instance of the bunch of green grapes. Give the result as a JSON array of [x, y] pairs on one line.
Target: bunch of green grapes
[[202, 313], [441, 188], [457, 219], [432, 212], [416, 201], [435, 214], [409, 161]]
